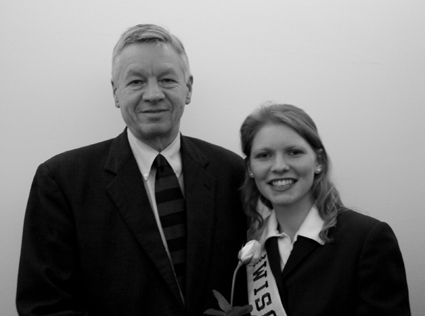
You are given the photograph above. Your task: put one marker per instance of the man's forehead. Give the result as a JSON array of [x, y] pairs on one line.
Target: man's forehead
[[134, 69], [142, 57], [147, 53], [138, 49]]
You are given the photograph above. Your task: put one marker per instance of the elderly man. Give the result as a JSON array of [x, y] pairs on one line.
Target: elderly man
[[148, 223]]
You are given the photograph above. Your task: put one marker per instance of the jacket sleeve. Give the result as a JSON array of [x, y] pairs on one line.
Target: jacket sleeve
[[48, 278], [381, 284]]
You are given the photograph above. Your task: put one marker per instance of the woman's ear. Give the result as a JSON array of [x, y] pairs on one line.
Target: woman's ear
[[251, 174], [319, 159], [248, 168]]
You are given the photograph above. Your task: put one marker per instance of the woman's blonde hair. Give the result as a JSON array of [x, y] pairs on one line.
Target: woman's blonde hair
[[327, 199]]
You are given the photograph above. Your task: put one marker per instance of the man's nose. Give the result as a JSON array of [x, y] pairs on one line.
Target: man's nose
[[153, 92]]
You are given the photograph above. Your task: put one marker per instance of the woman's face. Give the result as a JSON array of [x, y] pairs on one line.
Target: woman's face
[[283, 165]]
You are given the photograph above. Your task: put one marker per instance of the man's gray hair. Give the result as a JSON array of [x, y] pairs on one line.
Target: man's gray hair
[[150, 33]]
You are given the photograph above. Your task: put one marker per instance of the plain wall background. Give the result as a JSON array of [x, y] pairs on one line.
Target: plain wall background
[[357, 67]]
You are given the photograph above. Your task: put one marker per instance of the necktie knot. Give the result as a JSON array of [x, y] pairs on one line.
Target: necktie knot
[[166, 178], [163, 168], [160, 161]]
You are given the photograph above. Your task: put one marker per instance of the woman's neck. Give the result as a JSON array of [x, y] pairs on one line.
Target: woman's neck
[[291, 218]]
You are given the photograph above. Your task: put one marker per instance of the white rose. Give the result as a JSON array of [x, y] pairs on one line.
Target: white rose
[[250, 253]]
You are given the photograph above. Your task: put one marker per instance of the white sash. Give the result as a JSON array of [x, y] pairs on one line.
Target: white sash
[[262, 289]]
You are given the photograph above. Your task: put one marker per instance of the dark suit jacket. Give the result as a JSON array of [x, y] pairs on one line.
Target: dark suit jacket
[[91, 245], [360, 273]]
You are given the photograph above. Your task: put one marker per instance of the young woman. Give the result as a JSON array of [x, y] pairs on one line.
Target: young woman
[[318, 257]]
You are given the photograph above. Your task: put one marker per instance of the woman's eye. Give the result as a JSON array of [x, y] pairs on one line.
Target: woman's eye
[[262, 155], [295, 152]]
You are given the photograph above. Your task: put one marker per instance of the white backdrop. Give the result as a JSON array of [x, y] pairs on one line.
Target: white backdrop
[[357, 67]]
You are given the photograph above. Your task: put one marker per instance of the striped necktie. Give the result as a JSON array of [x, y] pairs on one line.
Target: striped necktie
[[171, 209]]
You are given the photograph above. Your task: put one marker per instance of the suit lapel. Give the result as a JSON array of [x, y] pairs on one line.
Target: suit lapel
[[302, 248], [272, 249], [128, 193], [200, 206]]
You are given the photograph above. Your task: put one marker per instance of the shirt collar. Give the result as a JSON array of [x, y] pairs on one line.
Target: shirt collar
[[310, 228], [145, 155]]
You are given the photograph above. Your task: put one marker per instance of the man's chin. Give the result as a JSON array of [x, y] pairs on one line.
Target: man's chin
[[157, 137]]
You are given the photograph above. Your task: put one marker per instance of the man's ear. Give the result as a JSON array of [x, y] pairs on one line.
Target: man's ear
[[189, 85], [114, 91]]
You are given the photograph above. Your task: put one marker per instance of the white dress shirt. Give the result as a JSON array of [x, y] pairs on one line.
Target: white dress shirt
[[310, 228], [145, 156]]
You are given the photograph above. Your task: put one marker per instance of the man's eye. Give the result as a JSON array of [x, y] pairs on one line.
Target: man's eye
[[167, 80], [135, 82]]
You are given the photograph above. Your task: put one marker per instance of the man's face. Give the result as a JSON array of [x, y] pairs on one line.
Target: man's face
[[151, 90]]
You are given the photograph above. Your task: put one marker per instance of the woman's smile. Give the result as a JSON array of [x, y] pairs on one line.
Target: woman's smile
[[282, 184], [283, 165]]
